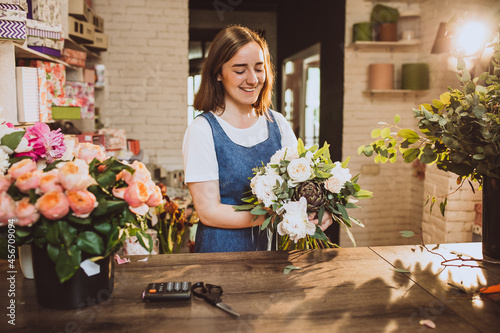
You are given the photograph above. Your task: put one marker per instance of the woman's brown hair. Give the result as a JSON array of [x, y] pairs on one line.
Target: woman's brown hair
[[226, 44]]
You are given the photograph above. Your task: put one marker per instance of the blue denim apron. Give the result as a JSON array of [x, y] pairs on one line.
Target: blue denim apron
[[235, 167]]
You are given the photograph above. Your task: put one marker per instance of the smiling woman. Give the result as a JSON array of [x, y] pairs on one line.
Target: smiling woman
[[236, 132]]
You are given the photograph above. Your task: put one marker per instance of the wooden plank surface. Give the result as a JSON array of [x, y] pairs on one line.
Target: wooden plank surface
[[456, 287], [351, 290]]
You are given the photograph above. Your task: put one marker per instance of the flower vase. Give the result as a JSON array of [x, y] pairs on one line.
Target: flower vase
[[26, 261], [491, 219], [79, 291]]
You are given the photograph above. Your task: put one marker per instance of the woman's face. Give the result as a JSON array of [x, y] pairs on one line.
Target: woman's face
[[243, 76]]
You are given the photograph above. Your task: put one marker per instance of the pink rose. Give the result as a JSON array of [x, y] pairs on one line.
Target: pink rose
[[50, 182], [5, 182], [139, 210], [82, 202], [136, 194], [53, 205], [74, 175], [7, 208], [88, 151], [26, 212], [20, 168], [141, 173], [29, 181], [156, 198], [119, 192]]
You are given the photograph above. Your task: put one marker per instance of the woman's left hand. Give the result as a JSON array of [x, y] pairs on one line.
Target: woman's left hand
[[325, 222]]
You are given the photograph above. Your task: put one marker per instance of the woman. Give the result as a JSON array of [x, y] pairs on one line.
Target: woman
[[235, 133]]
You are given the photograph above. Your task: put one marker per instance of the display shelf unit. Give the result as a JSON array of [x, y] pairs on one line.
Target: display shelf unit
[[71, 44], [358, 45], [394, 92], [27, 53]]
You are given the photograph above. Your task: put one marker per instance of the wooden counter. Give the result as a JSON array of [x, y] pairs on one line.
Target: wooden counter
[[340, 290]]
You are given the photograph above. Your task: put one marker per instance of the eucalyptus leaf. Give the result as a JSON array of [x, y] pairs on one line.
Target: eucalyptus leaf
[[407, 233], [290, 268], [401, 270]]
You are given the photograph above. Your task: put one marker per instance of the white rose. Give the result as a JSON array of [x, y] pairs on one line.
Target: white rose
[[295, 221], [299, 170], [339, 177], [291, 154], [262, 186]]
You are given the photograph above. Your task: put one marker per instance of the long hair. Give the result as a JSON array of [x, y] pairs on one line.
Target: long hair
[[225, 45]]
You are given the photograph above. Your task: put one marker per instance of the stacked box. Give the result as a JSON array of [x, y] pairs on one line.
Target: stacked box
[[28, 108], [80, 31], [97, 139], [84, 93], [100, 42], [66, 108], [12, 23], [45, 10], [74, 57], [45, 37], [80, 10], [45, 99], [115, 138], [56, 77], [134, 146]]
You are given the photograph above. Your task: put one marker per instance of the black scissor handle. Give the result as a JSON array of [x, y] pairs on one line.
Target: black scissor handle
[[211, 293]]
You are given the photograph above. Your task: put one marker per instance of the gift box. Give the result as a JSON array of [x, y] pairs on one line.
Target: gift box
[[28, 107], [115, 139], [97, 139], [45, 10], [98, 22], [89, 75], [65, 112], [46, 50], [12, 23], [134, 146], [44, 97], [22, 3], [46, 42], [100, 42], [84, 93], [80, 10], [80, 31], [56, 76], [43, 29], [74, 57]]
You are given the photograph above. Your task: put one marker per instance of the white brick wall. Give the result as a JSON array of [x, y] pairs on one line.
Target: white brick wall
[[146, 74]]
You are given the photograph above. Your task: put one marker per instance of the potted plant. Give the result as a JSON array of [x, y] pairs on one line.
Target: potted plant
[[75, 206], [459, 133]]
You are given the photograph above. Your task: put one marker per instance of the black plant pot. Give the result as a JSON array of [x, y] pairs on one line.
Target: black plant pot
[[491, 218], [79, 291]]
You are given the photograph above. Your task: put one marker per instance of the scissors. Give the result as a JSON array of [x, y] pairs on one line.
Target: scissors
[[211, 294]]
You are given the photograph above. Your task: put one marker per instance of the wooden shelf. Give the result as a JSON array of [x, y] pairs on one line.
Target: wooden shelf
[[374, 45], [25, 52], [394, 91], [71, 44]]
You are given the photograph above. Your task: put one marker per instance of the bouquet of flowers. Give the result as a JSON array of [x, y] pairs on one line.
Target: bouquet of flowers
[[73, 203], [298, 182]]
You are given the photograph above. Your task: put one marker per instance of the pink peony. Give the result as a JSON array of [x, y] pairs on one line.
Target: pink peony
[[88, 151], [26, 212], [82, 202], [53, 205], [7, 208], [74, 175], [136, 194], [29, 181], [50, 182], [20, 168], [141, 173], [156, 198], [46, 144], [5, 182]]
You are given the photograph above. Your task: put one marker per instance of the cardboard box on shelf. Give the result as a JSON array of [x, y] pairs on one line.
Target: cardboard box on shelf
[[80, 31], [98, 22], [12, 23], [89, 75], [100, 42], [45, 10], [92, 137], [80, 10]]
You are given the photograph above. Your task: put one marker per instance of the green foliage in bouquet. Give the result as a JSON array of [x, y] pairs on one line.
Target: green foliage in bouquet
[[296, 183], [460, 131]]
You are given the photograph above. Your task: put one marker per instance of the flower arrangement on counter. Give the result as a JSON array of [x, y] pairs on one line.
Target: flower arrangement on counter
[[75, 203], [298, 182]]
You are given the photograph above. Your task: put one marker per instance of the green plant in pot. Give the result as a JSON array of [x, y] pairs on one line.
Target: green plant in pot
[[384, 19], [75, 207], [459, 133]]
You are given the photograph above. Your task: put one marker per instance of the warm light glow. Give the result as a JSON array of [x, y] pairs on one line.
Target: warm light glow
[[471, 37]]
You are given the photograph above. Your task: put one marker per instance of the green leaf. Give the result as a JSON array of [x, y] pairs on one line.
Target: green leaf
[[407, 233], [300, 147], [103, 226], [265, 223], [90, 242], [411, 154], [386, 132], [67, 263], [78, 220], [401, 270], [12, 140], [408, 134], [141, 237], [67, 232], [319, 234], [470, 88], [243, 207], [290, 268], [376, 133], [397, 119], [258, 211], [53, 233], [53, 252], [344, 164]]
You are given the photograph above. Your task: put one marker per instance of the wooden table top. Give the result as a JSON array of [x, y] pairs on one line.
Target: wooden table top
[[344, 290]]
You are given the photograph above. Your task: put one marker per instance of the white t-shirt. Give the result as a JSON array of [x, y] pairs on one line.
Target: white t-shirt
[[198, 150]]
